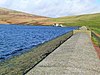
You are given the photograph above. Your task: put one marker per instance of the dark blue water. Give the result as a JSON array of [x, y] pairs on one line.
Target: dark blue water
[[14, 39]]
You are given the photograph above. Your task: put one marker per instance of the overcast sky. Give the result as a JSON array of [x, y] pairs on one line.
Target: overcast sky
[[53, 8]]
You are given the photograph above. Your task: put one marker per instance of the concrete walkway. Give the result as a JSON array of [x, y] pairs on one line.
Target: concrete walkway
[[76, 56]]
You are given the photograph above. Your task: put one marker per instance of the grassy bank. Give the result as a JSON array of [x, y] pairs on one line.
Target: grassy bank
[[96, 39], [21, 64]]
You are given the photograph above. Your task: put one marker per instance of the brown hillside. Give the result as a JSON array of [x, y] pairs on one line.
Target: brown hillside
[[8, 16]]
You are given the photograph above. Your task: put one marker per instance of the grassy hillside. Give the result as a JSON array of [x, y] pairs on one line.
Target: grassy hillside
[[90, 20], [8, 16]]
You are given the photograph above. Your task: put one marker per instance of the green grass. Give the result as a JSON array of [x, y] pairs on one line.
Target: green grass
[[95, 41], [89, 20], [97, 30]]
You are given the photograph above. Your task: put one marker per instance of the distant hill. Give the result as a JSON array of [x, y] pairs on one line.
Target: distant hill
[[87, 20], [8, 16], [90, 20]]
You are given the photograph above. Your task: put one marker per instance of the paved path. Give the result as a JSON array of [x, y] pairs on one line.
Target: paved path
[[76, 56]]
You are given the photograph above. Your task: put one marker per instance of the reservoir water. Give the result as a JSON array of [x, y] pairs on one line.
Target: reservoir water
[[15, 39]]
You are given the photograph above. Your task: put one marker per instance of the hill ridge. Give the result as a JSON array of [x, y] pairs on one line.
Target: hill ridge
[[9, 16]]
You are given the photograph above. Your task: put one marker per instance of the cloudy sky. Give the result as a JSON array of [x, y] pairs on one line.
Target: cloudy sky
[[53, 8]]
